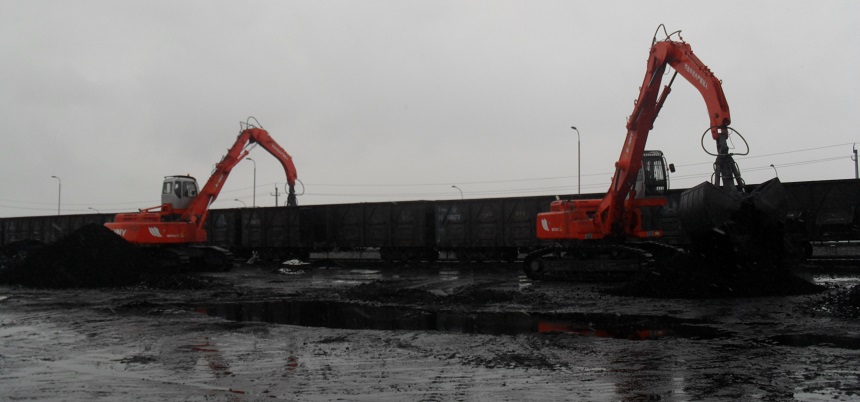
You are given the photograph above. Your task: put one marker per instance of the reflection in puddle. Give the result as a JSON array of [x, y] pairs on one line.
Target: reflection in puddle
[[343, 315]]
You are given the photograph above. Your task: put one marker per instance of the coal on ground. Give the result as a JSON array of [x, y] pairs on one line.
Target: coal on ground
[[840, 302], [694, 276], [92, 256], [388, 292]]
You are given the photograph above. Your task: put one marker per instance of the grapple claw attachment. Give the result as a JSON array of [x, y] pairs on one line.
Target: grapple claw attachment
[[735, 225]]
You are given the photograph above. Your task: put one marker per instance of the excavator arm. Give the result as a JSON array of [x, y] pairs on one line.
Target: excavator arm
[[199, 208], [678, 55]]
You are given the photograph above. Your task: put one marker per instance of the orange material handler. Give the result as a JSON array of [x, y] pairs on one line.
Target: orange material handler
[[180, 219], [612, 234]]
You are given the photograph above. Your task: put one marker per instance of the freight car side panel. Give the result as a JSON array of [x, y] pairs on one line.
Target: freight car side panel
[[254, 229], [46, 229], [348, 226], [412, 225], [284, 228], [451, 224], [829, 209], [377, 225], [223, 228], [486, 223], [318, 227], [520, 215]]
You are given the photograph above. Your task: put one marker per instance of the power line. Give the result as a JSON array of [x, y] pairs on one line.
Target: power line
[[566, 188], [553, 189], [604, 174]]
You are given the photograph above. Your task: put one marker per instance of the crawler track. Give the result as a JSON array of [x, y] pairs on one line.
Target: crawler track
[[588, 262]]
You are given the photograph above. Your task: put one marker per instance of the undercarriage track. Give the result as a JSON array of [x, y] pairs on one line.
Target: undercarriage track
[[193, 258], [594, 262]]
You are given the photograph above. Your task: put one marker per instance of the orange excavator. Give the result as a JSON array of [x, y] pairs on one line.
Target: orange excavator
[[613, 236], [175, 229]]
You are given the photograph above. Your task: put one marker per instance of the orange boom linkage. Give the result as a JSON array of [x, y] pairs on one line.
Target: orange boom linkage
[[181, 217]]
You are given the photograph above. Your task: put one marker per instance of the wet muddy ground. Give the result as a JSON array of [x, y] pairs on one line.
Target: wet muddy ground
[[361, 331]]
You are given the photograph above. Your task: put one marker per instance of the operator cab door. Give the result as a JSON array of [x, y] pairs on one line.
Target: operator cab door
[[178, 191]]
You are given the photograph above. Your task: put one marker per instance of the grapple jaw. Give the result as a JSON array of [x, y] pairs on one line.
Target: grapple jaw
[[734, 226]]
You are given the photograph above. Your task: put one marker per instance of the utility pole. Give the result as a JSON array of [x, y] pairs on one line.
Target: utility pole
[[578, 164], [59, 192], [254, 193], [276, 195], [854, 158]]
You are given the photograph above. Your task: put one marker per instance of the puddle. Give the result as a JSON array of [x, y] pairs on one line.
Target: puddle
[[344, 315], [827, 341]]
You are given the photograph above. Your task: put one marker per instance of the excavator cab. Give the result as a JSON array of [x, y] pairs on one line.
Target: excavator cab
[[654, 174], [178, 191]]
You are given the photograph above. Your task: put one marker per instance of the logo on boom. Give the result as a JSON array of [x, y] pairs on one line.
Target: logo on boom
[[696, 75]]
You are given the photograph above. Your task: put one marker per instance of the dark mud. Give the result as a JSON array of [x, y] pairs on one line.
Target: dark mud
[[352, 315], [470, 295], [427, 333], [693, 276], [89, 324]]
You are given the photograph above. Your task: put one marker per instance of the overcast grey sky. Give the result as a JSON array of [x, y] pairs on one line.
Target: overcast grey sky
[[400, 100]]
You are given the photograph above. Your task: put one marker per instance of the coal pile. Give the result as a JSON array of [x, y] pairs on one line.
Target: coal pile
[[93, 256], [843, 303], [853, 298], [387, 292], [693, 276]]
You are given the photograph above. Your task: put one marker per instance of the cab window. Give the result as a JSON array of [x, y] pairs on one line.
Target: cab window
[[189, 189]]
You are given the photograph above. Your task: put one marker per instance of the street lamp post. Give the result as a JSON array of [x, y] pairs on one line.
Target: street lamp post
[[97, 211], [254, 198], [458, 189], [775, 173], [59, 192], [578, 163], [243, 203]]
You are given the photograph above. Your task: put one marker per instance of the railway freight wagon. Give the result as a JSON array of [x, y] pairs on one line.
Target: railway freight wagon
[[272, 233], [476, 229], [398, 231], [825, 210], [489, 229], [46, 229], [401, 231]]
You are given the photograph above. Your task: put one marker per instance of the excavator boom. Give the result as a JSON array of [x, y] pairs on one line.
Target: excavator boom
[[678, 55], [199, 207]]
